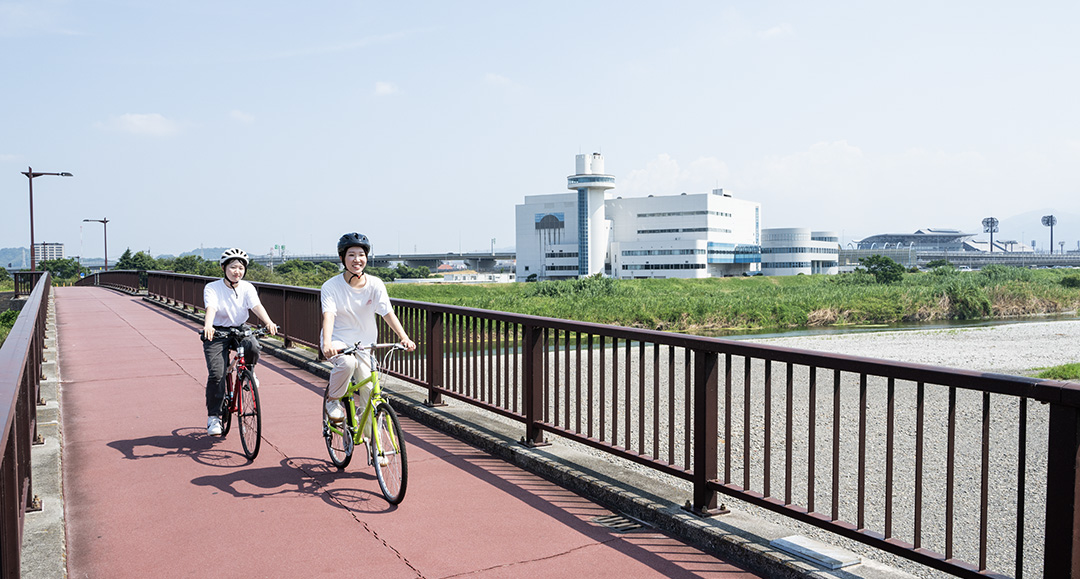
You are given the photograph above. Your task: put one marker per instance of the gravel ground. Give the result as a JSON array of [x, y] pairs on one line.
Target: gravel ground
[[1017, 349]]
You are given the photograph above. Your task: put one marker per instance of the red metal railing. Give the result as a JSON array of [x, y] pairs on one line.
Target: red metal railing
[[25, 282], [20, 379], [952, 469], [126, 280]]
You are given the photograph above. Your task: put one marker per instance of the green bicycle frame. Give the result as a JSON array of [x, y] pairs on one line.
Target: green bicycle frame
[[362, 420]]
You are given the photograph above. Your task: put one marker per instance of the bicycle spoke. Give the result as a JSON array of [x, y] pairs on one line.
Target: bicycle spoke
[[339, 439], [388, 454], [250, 415]]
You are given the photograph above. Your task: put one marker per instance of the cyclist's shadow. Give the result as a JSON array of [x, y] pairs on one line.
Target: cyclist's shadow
[[301, 476], [183, 442]]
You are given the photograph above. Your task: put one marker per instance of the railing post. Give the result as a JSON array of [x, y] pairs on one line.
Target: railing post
[[10, 506], [1061, 553], [434, 340], [285, 321], [533, 386], [706, 423]]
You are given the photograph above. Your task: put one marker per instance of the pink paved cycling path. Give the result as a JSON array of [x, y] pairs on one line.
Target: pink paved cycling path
[[148, 493]]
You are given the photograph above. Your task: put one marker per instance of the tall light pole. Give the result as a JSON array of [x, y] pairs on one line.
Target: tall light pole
[[105, 224], [990, 225], [30, 174], [1050, 221]]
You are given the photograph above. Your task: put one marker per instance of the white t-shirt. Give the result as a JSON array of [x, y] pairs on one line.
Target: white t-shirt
[[354, 310], [232, 305]]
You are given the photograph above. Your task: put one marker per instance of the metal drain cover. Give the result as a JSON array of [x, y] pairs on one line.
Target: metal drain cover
[[618, 523]]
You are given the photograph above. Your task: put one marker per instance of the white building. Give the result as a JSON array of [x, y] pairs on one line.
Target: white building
[[795, 250], [46, 251], [688, 235], [699, 235]]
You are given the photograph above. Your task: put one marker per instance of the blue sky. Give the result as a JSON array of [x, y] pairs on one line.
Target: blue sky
[[422, 124]]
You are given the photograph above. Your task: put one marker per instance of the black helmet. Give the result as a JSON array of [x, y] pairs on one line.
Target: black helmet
[[353, 240]]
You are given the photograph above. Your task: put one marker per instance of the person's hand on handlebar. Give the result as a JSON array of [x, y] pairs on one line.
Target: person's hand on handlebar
[[272, 327], [329, 351], [408, 344], [208, 332]]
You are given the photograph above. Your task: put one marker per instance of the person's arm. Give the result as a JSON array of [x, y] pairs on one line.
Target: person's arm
[[208, 323], [210, 301], [328, 349], [260, 311], [392, 320]]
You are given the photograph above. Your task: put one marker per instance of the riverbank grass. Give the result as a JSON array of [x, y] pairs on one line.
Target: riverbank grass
[[1069, 372]]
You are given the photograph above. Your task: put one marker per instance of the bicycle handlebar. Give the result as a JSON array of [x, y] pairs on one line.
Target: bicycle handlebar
[[257, 332], [359, 346]]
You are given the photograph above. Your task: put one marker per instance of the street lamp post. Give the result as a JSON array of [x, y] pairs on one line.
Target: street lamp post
[[30, 174], [1050, 221], [105, 228], [990, 225]]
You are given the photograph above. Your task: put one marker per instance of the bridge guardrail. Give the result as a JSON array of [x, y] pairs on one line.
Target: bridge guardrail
[[20, 378], [861, 447], [130, 281]]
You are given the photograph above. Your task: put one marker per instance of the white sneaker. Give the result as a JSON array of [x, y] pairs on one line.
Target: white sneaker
[[335, 410], [213, 425], [384, 462]]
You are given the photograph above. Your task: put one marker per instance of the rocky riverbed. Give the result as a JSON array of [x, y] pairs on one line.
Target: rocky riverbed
[[1014, 348]]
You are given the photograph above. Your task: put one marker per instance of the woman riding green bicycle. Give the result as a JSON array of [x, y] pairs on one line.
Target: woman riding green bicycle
[[350, 303]]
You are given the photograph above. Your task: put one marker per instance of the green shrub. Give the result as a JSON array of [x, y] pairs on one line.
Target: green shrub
[[1063, 372], [1071, 281], [857, 277], [8, 317], [998, 274], [966, 301]]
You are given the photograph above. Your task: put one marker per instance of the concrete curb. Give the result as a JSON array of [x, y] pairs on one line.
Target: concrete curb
[[737, 537], [44, 550]]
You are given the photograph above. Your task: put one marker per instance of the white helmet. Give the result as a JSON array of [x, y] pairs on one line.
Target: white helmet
[[233, 253]]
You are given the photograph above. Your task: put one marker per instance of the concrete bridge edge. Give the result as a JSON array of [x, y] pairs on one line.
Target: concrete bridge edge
[[44, 550]]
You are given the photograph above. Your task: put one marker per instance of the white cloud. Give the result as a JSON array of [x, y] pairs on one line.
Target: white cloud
[[778, 31], [152, 124], [241, 116], [20, 19], [385, 88], [664, 176], [497, 80]]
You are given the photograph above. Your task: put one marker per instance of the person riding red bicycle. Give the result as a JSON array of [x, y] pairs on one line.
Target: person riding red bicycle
[[350, 302], [228, 301]]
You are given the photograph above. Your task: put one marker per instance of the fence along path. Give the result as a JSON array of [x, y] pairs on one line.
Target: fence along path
[[148, 491], [950, 469]]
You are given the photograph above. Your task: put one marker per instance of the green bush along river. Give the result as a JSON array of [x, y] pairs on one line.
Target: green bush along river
[[760, 302]]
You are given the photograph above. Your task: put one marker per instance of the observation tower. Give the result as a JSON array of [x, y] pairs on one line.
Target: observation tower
[[591, 185]]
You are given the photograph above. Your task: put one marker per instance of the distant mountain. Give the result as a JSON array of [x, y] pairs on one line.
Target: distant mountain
[[13, 258], [207, 253]]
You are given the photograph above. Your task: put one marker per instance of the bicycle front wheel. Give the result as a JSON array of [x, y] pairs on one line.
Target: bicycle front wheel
[[388, 454], [250, 414], [227, 406], [339, 438]]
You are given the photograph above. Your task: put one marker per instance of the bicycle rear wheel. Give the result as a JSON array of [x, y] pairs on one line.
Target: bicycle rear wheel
[[227, 405], [250, 415], [339, 437], [388, 454]]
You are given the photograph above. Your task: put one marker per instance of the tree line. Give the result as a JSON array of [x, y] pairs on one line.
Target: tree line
[[293, 272]]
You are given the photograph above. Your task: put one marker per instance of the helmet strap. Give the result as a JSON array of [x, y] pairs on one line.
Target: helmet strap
[[349, 276]]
